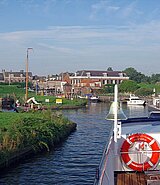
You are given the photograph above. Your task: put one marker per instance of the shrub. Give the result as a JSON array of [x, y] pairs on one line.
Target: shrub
[[143, 91], [128, 86]]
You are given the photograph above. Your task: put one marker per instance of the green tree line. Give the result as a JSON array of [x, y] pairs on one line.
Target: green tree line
[[139, 77], [138, 83]]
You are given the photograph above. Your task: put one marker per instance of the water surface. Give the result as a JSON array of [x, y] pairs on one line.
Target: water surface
[[76, 160]]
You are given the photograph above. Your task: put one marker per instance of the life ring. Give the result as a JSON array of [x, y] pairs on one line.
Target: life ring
[[140, 166]]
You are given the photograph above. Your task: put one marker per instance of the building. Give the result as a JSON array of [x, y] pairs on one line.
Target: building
[[65, 77], [49, 87], [11, 77], [67, 89], [1, 78], [83, 81], [93, 79]]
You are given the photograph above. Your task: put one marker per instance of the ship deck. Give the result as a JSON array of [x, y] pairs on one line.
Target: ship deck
[[144, 127], [138, 178]]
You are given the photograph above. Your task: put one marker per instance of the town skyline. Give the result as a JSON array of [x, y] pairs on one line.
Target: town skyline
[[69, 35], [108, 69]]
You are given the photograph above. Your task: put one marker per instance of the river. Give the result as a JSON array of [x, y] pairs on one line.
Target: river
[[75, 161]]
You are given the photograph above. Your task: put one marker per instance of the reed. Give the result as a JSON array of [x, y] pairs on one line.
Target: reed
[[35, 130]]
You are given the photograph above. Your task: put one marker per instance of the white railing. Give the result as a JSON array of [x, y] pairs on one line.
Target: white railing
[[105, 171]]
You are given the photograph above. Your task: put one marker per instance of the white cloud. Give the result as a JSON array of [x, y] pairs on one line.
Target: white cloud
[[56, 49], [133, 34], [102, 7], [115, 11], [129, 9], [154, 14], [93, 45]]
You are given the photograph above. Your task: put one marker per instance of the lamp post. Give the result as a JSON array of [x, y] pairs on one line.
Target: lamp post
[[26, 95]]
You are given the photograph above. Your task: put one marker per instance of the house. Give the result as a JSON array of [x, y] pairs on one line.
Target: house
[[1, 78], [65, 77], [49, 87], [11, 77], [93, 79], [38, 80], [67, 89], [52, 77]]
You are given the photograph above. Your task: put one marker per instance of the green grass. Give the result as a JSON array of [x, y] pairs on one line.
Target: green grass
[[52, 100], [19, 93], [14, 92], [11, 89], [9, 118], [38, 130], [65, 102]]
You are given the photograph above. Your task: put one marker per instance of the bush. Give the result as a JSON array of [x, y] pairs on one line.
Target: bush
[[128, 86], [144, 91], [108, 88]]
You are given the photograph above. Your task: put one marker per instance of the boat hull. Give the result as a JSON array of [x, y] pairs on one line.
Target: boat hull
[[135, 100], [139, 102]]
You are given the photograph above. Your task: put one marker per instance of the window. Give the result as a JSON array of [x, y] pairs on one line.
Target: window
[[88, 74], [105, 74]]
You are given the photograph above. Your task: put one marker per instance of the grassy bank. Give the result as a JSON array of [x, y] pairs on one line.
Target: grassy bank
[[19, 94], [65, 102], [36, 131]]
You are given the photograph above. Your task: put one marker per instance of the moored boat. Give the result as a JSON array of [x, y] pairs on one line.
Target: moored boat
[[94, 99], [132, 154], [135, 100], [90, 97]]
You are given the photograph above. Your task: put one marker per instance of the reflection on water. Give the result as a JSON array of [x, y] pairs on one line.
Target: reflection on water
[[134, 110], [76, 160]]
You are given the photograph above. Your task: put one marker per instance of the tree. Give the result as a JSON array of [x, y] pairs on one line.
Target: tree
[[144, 91], [155, 78], [132, 74], [128, 86], [109, 69], [139, 77], [108, 88], [136, 76]]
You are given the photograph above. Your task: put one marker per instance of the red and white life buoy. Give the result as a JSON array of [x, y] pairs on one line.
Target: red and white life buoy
[[140, 138]]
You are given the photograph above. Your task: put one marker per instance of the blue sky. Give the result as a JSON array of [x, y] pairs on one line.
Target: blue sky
[[71, 35]]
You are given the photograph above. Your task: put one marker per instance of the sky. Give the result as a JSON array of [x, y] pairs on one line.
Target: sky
[[72, 35]]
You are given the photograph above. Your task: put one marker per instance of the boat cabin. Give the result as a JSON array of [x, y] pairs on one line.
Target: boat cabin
[[134, 158], [131, 156]]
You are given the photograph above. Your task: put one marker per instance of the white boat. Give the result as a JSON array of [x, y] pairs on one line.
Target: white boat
[[94, 99], [91, 98], [135, 100], [132, 154]]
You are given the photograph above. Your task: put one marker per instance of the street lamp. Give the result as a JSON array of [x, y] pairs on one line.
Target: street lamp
[[26, 96]]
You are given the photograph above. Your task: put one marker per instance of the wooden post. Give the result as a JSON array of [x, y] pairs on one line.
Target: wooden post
[[26, 96]]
